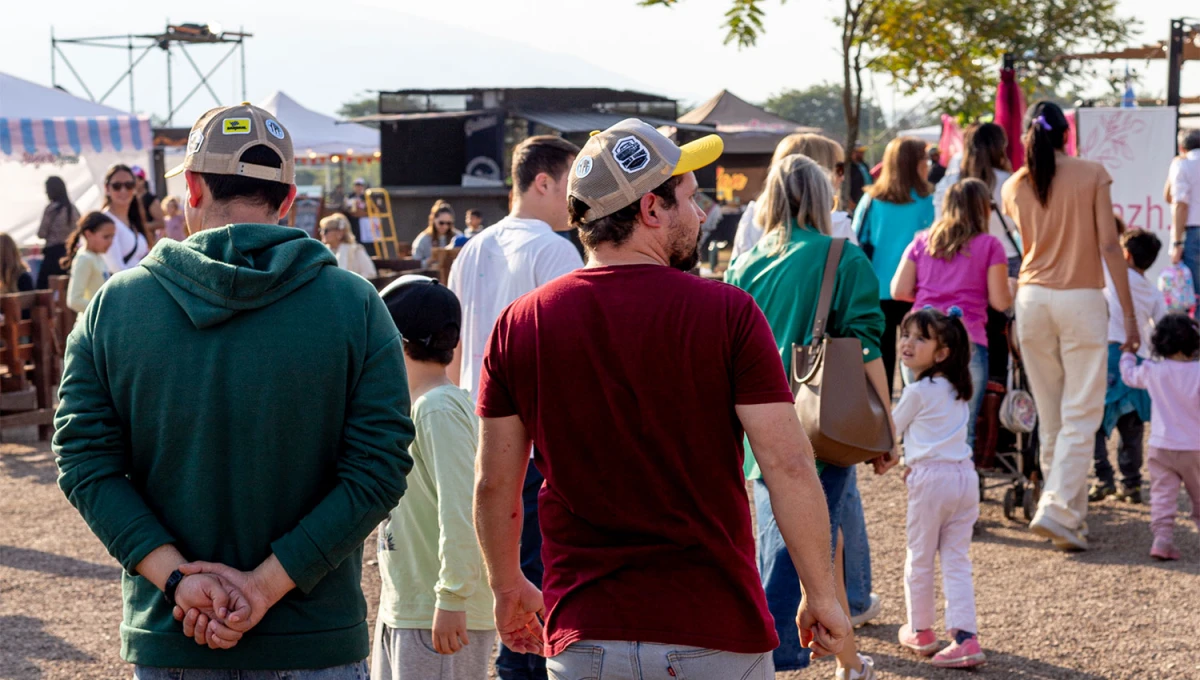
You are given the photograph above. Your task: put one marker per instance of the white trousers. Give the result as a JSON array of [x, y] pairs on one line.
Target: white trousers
[[1064, 342], [943, 504]]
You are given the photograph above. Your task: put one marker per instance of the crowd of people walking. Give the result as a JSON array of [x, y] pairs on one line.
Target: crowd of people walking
[[525, 440]]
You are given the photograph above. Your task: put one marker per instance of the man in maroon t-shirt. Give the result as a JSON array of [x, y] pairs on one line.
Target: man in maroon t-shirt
[[636, 380]]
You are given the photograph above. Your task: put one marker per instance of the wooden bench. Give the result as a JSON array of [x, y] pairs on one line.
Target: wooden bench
[[443, 259], [396, 265], [381, 282], [27, 356], [62, 316]]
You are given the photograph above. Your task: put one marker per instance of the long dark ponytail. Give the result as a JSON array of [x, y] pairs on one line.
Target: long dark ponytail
[[1046, 130], [88, 223], [135, 206]]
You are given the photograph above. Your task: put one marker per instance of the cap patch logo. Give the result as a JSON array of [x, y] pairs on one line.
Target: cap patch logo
[[235, 126], [194, 141], [631, 154], [274, 128], [584, 167]]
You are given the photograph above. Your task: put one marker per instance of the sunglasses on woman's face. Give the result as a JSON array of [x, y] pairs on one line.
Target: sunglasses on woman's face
[[119, 186], [444, 224], [839, 168]]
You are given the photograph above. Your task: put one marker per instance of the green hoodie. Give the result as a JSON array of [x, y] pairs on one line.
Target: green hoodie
[[237, 395]]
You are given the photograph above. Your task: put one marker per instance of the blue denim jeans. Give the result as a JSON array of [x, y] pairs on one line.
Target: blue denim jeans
[[979, 380], [509, 664], [619, 660], [779, 577], [856, 557], [354, 671], [1191, 259]]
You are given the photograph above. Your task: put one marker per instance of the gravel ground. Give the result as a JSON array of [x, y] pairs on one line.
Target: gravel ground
[[1108, 613]]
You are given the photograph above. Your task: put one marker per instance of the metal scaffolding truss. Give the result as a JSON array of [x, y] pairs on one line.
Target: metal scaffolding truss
[[176, 38]]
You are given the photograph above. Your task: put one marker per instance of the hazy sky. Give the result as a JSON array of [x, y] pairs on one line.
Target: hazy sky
[[322, 59]]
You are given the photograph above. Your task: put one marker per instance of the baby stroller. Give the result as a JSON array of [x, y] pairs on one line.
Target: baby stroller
[[1006, 439]]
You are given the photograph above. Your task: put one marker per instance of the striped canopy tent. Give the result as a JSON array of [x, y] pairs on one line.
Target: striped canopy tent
[[48, 139], [45, 131]]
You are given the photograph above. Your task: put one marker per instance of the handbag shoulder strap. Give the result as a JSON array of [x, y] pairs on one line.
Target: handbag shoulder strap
[[828, 280], [1007, 230]]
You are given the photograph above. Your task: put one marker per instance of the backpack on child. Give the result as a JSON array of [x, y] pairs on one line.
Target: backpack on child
[[1176, 285]]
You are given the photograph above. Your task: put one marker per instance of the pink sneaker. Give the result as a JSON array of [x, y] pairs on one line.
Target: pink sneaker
[[923, 642], [1164, 549], [966, 655]]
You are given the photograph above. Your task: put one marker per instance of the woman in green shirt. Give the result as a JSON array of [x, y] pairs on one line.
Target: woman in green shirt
[[783, 273]]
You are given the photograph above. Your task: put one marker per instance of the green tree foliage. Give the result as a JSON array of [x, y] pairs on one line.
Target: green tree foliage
[[952, 48], [858, 21], [365, 105], [821, 106]]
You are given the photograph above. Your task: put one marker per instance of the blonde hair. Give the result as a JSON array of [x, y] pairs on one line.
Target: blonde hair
[[11, 264], [823, 150], [167, 200], [797, 191], [438, 208], [338, 221], [899, 177], [965, 214]]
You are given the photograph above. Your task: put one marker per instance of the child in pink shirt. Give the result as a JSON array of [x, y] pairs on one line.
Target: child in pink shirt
[[1174, 385], [957, 263]]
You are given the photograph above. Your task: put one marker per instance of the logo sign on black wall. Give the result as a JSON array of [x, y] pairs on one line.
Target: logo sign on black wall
[[485, 145]]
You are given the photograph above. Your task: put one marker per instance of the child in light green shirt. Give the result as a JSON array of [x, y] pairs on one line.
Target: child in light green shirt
[[87, 267], [435, 611]]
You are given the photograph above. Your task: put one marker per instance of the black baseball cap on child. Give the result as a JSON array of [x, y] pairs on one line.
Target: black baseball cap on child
[[425, 311]]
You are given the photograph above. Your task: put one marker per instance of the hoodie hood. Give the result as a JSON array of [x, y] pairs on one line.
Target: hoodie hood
[[219, 273]]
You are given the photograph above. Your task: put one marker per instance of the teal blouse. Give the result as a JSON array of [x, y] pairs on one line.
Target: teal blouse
[[890, 227]]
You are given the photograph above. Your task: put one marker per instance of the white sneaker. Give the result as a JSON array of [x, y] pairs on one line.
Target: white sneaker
[[867, 672], [872, 613], [1063, 537]]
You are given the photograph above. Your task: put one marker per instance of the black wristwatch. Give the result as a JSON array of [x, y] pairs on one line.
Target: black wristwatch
[[172, 583]]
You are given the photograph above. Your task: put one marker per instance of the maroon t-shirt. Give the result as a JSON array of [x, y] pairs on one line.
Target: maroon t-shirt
[[626, 379]]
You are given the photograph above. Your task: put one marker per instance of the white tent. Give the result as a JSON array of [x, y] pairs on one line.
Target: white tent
[[931, 134], [319, 134], [44, 132]]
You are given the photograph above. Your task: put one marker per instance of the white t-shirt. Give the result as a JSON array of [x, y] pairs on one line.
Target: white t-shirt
[[1148, 306], [354, 258], [933, 422], [749, 234], [502, 263], [124, 240], [995, 223], [1184, 177]]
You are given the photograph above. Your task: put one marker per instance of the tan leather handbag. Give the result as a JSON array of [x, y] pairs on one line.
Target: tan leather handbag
[[840, 410]]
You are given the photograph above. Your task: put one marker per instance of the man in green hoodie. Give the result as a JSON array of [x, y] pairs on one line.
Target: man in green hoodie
[[237, 399]]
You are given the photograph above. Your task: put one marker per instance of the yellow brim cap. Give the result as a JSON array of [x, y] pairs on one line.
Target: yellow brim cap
[[699, 153]]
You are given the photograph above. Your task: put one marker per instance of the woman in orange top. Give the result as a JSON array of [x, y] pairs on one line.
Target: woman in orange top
[[1063, 209]]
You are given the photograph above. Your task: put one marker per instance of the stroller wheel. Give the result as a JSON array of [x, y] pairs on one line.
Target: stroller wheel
[[1010, 503], [1033, 492]]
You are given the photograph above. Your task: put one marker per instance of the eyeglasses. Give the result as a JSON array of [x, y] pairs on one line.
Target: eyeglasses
[[444, 224], [118, 186]]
